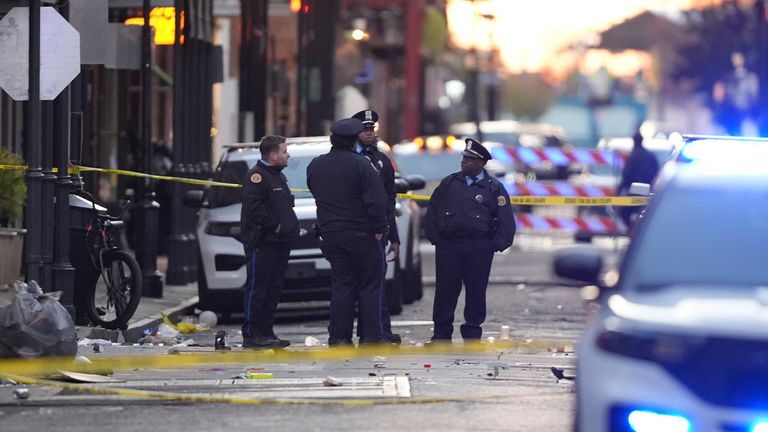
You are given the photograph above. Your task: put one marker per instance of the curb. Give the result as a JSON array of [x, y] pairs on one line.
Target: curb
[[430, 281], [135, 330]]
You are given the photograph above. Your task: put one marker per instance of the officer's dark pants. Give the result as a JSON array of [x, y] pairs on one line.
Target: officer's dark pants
[[456, 261], [265, 267], [357, 262], [386, 321]]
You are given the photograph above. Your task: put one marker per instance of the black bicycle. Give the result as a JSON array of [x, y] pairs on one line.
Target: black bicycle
[[112, 298]]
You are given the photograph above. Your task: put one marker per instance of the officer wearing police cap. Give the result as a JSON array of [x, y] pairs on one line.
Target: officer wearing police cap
[[367, 146], [352, 220], [468, 219]]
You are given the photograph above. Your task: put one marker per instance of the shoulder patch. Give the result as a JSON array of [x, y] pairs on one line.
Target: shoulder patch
[[256, 178], [502, 201]]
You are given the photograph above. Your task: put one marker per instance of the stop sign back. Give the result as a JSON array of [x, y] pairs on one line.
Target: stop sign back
[[59, 53]]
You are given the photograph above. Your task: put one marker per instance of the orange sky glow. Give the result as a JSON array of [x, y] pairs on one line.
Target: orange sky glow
[[532, 36]]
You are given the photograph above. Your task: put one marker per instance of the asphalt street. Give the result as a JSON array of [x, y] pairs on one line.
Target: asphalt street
[[499, 389]]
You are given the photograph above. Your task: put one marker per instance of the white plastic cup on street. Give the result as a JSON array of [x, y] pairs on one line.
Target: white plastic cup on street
[[504, 332], [208, 318], [311, 341]]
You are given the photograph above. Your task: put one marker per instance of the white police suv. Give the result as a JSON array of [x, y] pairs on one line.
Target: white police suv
[[680, 342], [221, 266]]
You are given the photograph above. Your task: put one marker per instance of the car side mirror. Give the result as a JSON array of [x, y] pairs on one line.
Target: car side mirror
[[194, 198], [401, 185], [416, 182], [581, 263]]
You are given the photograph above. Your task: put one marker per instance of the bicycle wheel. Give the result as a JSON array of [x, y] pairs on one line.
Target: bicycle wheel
[[113, 299]]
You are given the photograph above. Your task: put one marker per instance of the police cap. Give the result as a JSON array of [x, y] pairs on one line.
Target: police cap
[[368, 117], [476, 150], [349, 127]]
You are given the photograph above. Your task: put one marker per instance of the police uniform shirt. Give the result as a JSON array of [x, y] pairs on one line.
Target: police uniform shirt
[[463, 208], [267, 203], [386, 171], [348, 192]]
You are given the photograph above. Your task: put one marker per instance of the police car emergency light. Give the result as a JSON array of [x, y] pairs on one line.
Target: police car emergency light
[[722, 149]]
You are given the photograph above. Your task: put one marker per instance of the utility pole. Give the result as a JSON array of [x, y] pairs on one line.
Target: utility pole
[[63, 278], [147, 209], [34, 174]]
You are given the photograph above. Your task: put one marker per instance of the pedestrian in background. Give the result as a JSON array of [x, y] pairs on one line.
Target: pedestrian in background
[[641, 167], [468, 219], [352, 220], [367, 147], [268, 228]]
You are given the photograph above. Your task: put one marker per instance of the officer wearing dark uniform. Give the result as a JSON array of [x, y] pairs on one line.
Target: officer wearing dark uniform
[[351, 217], [268, 227], [468, 219], [366, 146]]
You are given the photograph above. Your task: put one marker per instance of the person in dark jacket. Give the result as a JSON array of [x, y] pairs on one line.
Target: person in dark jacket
[[352, 220], [366, 146], [641, 167], [268, 228], [468, 219]]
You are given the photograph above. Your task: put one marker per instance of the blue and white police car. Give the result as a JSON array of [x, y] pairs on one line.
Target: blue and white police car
[[680, 341]]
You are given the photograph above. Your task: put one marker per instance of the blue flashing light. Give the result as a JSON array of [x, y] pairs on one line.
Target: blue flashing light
[[649, 421], [761, 426], [723, 150]]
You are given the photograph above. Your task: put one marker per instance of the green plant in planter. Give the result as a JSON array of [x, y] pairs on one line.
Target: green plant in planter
[[13, 189]]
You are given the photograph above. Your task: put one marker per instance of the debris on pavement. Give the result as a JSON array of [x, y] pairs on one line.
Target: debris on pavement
[[559, 373], [259, 375], [220, 341], [497, 366], [21, 393], [311, 341], [208, 319], [331, 382], [35, 324]]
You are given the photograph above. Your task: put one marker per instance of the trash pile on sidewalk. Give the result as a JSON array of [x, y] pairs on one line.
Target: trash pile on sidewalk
[[35, 324]]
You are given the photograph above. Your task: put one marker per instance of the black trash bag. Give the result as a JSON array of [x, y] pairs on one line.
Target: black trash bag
[[35, 324]]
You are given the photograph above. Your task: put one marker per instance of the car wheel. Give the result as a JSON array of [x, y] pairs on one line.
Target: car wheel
[[394, 292]]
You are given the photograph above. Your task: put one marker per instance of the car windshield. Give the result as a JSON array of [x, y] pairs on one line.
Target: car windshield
[[702, 237], [234, 171]]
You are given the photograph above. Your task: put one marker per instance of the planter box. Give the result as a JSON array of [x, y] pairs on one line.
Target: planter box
[[11, 243]]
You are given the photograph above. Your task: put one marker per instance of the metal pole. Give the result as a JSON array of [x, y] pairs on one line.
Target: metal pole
[[147, 208], [63, 272], [178, 266], [34, 174], [49, 183]]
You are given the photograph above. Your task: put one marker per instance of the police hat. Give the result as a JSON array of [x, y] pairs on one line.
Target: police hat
[[476, 150], [347, 127], [368, 117]]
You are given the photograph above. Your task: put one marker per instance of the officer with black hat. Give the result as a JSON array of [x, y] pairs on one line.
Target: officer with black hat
[[366, 146], [351, 217], [468, 219], [268, 228]]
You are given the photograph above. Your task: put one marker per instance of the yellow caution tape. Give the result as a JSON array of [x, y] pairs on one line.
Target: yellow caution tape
[[519, 200], [106, 364], [622, 201]]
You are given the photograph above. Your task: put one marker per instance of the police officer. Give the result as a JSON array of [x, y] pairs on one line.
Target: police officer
[[366, 146], [352, 220], [268, 227], [468, 219]]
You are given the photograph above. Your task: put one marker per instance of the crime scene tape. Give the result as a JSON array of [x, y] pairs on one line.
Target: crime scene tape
[[557, 156], [514, 199], [599, 224], [47, 366], [557, 189]]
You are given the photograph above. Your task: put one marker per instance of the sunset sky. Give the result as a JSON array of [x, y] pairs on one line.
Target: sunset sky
[[530, 34]]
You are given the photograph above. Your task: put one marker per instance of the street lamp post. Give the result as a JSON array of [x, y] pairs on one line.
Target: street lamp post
[[147, 209]]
